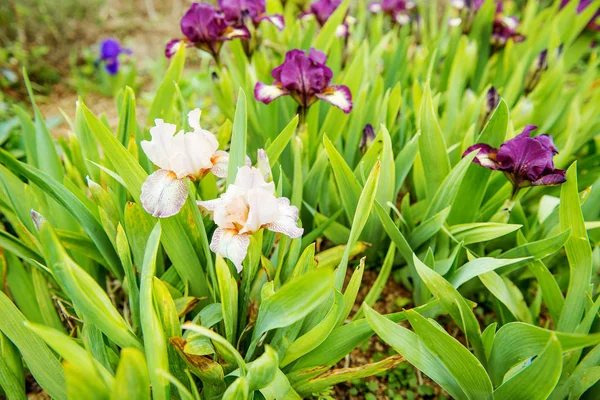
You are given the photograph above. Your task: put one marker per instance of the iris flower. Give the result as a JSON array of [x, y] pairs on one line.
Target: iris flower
[[505, 28], [397, 9], [256, 10], [110, 50], [247, 206], [206, 28], [307, 79], [322, 10], [525, 161], [189, 155]]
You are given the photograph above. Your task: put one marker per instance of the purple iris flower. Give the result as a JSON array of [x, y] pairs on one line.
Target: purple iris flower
[[504, 29], [397, 9], [368, 136], [206, 28], [322, 10], [110, 50], [237, 10], [526, 161], [307, 79], [583, 4]]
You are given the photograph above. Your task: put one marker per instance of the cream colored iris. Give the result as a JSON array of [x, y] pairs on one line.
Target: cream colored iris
[[183, 155], [247, 206]]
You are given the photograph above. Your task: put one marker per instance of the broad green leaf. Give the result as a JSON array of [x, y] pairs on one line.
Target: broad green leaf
[[410, 346], [163, 100], [294, 300], [481, 231], [316, 335], [454, 304], [281, 141], [462, 365], [432, 146], [508, 293], [363, 210], [229, 298], [154, 336], [538, 379], [578, 251], [480, 266], [516, 342], [40, 360], [131, 380]]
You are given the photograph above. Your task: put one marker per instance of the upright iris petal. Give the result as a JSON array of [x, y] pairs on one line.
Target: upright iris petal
[[110, 50], [205, 27], [237, 10], [248, 205], [398, 10], [183, 155], [306, 78], [526, 161]]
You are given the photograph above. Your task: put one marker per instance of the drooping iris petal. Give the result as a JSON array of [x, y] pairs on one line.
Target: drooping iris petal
[[268, 93], [172, 47], [163, 194], [286, 220], [220, 162], [486, 156], [557, 177], [339, 96], [229, 244]]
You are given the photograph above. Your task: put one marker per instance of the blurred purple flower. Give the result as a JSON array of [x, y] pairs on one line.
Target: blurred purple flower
[[583, 4], [110, 50], [206, 28], [322, 10], [526, 161], [237, 10], [306, 78], [493, 99], [504, 28], [368, 136], [397, 9]]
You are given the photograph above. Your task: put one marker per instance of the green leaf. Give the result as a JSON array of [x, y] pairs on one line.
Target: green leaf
[[481, 231], [316, 335], [131, 380], [363, 210], [40, 360], [538, 379], [464, 367], [237, 151], [480, 266], [165, 95], [432, 147], [154, 336], [410, 346], [229, 298], [454, 304], [281, 141], [508, 293], [294, 300], [516, 342], [446, 192], [75, 207], [579, 253]]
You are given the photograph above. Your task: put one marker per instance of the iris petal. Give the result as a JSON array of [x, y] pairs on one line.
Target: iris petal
[[268, 93], [339, 96], [229, 244], [163, 194]]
